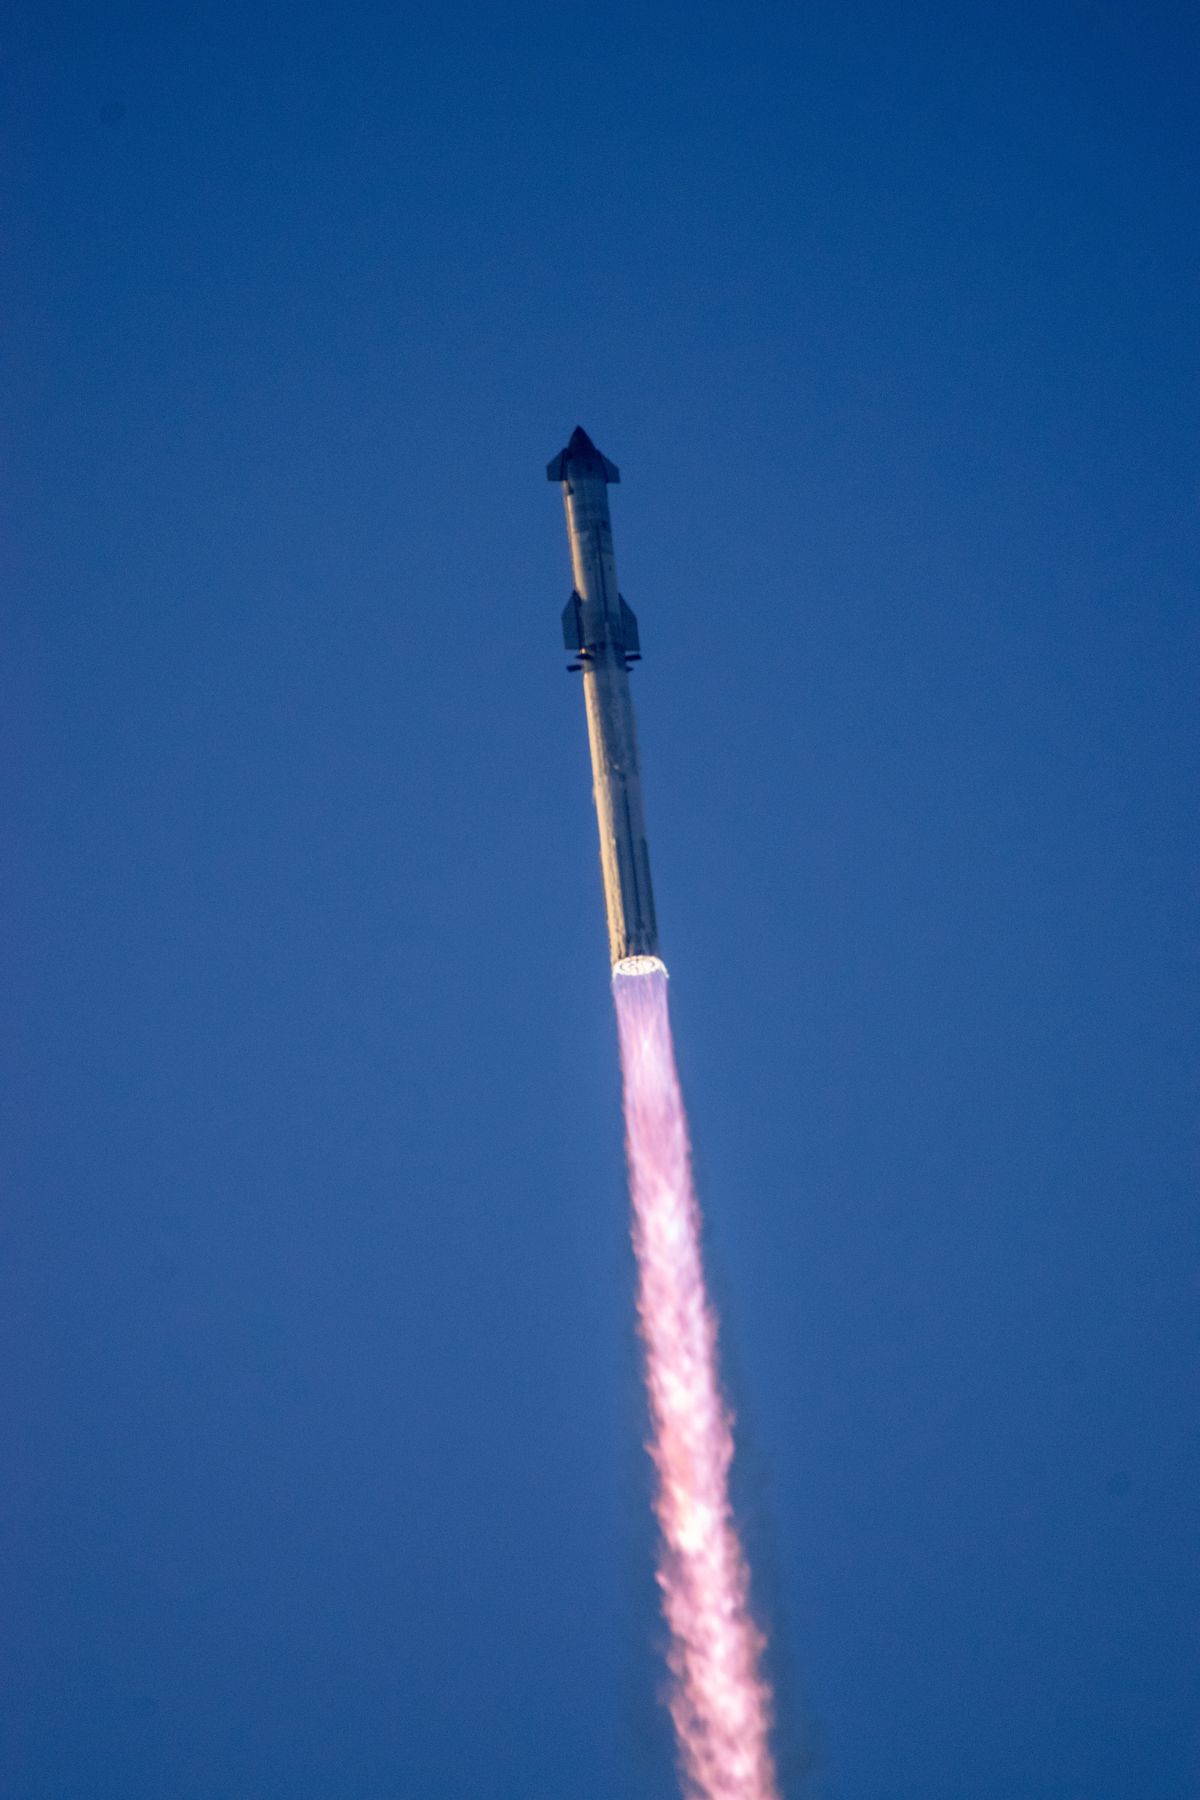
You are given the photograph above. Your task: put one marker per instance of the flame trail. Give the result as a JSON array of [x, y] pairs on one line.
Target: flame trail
[[720, 1700]]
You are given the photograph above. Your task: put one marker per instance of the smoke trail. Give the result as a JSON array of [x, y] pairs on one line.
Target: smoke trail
[[720, 1700]]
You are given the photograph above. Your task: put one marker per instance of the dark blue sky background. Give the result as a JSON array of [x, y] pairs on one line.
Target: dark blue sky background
[[320, 1409]]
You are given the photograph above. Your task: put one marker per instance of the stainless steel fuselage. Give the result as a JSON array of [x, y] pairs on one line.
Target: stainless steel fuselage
[[600, 628]]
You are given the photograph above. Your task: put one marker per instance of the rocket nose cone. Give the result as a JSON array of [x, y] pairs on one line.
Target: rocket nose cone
[[582, 456]]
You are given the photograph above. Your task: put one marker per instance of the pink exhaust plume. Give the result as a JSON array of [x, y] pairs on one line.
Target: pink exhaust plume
[[720, 1700]]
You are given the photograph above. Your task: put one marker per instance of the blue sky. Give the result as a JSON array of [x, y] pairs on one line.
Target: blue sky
[[322, 1411]]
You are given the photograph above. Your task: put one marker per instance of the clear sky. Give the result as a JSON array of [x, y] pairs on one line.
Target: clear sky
[[320, 1406]]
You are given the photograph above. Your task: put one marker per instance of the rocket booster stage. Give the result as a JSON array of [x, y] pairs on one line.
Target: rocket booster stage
[[601, 632]]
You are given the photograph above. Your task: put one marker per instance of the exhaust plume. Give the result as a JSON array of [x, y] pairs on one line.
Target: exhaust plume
[[720, 1700]]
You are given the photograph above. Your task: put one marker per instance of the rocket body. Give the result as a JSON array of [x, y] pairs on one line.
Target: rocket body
[[600, 630]]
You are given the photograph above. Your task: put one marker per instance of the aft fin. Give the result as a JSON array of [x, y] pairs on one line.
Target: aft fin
[[630, 640], [572, 623]]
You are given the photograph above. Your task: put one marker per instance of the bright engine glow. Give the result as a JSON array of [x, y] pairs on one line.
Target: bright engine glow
[[720, 1699]]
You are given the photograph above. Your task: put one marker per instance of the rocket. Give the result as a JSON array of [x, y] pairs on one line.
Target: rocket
[[601, 633]]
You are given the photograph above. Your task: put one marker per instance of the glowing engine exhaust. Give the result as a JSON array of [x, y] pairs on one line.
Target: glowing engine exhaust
[[720, 1702]]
